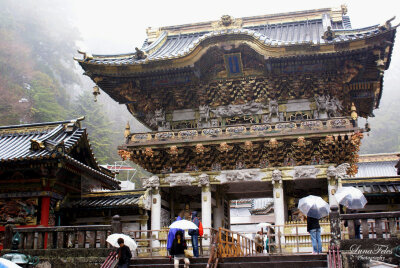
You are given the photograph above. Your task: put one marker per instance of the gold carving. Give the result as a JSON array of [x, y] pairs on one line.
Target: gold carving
[[125, 155]]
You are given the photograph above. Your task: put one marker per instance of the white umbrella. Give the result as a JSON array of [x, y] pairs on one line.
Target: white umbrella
[[351, 197], [184, 225], [314, 206], [264, 225], [4, 263], [129, 242]]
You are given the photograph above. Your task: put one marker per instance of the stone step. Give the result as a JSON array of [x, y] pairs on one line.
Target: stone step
[[278, 264], [278, 261]]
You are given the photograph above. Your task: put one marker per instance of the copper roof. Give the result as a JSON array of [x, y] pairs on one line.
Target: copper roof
[[178, 41]]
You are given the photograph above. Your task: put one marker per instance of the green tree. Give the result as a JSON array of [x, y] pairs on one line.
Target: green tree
[[46, 98], [97, 125]]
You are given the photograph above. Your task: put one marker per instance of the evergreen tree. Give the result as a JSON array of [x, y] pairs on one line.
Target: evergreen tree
[[97, 125], [47, 99]]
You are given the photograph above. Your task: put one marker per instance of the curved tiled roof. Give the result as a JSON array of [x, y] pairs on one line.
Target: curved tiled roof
[[376, 169], [282, 34], [127, 201], [54, 140], [16, 145]]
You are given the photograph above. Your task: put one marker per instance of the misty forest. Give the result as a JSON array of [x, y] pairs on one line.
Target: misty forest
[[40, 82]]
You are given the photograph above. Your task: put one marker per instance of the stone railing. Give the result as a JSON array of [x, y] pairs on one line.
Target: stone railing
[[248, 130], [62, 237]]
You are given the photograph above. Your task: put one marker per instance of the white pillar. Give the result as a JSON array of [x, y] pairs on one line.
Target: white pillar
[[206, 213], [279, 204], [333, 185], [156, 215], [218, 212]]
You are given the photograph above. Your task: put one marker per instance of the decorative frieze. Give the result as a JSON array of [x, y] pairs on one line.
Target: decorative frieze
[[240, 175], [152, 182], [180, 179], [305, 172]]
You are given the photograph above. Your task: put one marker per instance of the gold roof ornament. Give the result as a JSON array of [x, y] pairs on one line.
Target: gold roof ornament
[[96, 92], [353, 114], [86, 56], [127, 131], [344, 9], [226, 22], [329, 35], [140, 55]]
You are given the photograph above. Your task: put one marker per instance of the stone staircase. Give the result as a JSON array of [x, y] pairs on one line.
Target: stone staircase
[[278, 261]]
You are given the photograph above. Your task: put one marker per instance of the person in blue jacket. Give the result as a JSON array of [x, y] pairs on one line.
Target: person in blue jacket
[[172, 232]]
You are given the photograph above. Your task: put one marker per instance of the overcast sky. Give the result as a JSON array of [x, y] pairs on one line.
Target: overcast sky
[[118, 26]]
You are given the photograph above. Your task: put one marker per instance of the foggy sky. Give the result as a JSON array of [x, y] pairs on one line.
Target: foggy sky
[[118, 26]]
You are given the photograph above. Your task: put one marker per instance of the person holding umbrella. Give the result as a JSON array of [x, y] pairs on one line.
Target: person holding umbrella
[[172, 232], [315, 208], [314, 229], [124, 254], [178, 250], [353, 199]]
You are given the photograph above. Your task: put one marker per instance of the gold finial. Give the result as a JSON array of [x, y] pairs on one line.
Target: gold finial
[[127, 130], [344, 9], [353, 112], [96, 92]]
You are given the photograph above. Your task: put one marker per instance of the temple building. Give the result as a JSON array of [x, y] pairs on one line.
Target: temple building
[[252, 107], [43, 166]]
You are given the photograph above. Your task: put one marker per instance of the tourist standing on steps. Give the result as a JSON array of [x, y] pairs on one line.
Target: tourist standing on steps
[[259, 240], [124, 254], [194, 233], [315, 232], [178, 250], [172, 233]]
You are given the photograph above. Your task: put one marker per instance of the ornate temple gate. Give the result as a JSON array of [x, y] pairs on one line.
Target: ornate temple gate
[[237, 110]]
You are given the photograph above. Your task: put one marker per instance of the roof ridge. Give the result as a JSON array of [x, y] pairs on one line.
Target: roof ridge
[[39, 124]]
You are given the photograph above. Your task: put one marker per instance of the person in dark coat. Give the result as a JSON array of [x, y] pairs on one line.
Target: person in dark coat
[[172, 233], [194, 233], [178, 250], [314, 229], [124, 254]]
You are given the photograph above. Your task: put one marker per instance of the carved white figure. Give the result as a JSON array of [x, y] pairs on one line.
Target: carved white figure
[[181, 179], [239, 175], [276, 176], [320, 101], [273, 108], [204, 180], [159, 116], [145, 200], [305, 172], [273, 111], [238, 109], [338, 172], [204, 112], [153, 181], [333, 106]]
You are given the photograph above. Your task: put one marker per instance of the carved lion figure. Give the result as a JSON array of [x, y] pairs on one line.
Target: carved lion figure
[[276, 175]]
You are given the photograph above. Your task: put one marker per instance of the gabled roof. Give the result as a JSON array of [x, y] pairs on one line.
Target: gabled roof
[[381, 187], [290, 29], [50, 141], [109, 199], [377, 165]]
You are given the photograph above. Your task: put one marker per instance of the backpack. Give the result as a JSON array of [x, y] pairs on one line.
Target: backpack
[[201, 231]]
